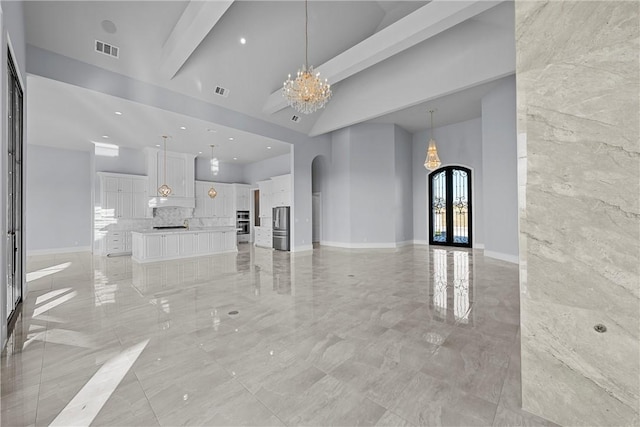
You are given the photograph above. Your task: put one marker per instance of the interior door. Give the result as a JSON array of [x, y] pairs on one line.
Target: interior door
[[450, 207], [14, 193]]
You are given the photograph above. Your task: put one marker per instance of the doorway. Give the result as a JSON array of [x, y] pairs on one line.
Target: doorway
[[316, 214], [450, 207], [14, 191]]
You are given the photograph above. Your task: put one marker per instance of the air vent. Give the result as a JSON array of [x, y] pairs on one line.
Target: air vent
[[295, 118], [107, 49], [222, 91]]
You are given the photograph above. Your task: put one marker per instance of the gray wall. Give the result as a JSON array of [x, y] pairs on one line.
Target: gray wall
[[128, 160], [58, 199], [372, 184], [228, 172], [265, 169], [13, 31], [500, 177], [336, 199], [458, 144], [403, 209]]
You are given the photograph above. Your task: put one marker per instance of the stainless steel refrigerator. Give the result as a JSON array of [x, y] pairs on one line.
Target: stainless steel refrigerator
[[281, 227]]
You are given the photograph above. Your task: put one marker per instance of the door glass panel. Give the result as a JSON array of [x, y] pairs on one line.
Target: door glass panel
[[460, 207], [438, 207]]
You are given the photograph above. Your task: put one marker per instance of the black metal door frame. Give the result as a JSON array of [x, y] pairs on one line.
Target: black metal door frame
[[449, 207]]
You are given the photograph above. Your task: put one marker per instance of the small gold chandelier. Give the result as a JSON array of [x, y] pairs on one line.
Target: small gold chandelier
[[432, 161], [164, 190], [214, 170], [308, 92]]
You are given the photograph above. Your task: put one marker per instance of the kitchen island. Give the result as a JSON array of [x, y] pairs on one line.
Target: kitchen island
[[160, 245]]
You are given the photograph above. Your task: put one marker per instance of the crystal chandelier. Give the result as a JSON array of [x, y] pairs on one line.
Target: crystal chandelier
[[308, 92], [432, 161], [214, 170], [164, 190]]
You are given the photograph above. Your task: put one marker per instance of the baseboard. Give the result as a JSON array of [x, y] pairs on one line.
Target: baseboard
[[421, 242], [302, 248], [502, 257], [59, 250], [404, 243], [478, 246], [358, 245]]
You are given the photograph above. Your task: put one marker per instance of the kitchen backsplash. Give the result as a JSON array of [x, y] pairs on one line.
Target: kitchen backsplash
[[169, 216]]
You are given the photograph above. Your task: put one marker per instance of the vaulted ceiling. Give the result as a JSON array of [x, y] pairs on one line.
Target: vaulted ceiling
[[387, 61]]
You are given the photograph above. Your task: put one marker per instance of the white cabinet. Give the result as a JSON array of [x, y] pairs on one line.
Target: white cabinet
[[264, 237], [123, 196], [117, 242], [180, 172], [265, 202], [243, 197], [281, 190], [222, 206], [149, 247]]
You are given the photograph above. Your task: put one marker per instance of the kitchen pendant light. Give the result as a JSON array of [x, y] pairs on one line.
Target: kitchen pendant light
[[164, 190], [307, 92], [214, 171], [432, 161]]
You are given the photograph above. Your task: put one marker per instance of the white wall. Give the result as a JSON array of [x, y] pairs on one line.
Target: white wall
[[12, 28], [58, 199], [265, 169], [337, 196], [228, 172], [403, 209], [458, 144], [500, 185]]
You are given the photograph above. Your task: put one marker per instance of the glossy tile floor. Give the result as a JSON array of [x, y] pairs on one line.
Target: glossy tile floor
[[416, 336]]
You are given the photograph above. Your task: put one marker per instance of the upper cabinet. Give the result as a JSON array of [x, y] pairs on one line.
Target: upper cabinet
[[265, 199], [180, 172], [123, 196], [243, 197], [221, 206], [281, 190]]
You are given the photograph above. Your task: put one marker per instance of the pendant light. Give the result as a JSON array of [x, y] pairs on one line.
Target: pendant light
[[164, 190], [214, 171], [307, 92], [432, 161]]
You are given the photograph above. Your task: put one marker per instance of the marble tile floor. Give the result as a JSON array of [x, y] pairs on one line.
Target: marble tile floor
[[416, 336]]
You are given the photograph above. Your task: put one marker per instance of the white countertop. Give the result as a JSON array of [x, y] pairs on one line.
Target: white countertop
[[186, 230]]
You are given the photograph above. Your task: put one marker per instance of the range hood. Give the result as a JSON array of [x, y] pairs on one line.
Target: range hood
[[180, 176], [172, 202]]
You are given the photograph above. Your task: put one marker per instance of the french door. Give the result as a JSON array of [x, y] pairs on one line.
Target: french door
[[14, 193], [450, 207]]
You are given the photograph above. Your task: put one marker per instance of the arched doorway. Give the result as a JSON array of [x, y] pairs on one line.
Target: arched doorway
[[450, 207]]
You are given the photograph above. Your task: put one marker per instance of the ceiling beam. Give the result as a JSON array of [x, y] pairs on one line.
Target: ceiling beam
[[197, 20], [431, 19]]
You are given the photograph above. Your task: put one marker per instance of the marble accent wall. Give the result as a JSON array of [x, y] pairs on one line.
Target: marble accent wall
[[579, 189]]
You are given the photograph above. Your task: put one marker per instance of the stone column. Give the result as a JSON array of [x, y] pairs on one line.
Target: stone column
[[579, 189]]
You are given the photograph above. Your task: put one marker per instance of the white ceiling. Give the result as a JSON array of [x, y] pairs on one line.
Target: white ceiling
[[254, 72], [72, 117]]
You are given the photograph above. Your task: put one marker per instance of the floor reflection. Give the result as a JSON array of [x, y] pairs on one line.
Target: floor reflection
[[451, 288]]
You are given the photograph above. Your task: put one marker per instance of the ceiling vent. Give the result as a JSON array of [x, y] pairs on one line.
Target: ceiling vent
[[222, 91], [107, 49], [295, 118]]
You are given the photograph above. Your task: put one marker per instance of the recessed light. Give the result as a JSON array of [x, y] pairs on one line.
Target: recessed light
[[235, 158], [183, 128], [268, 148], [199, 152], [105, 136], [230, 138], [243, 40], [118, 113], [157, 145]]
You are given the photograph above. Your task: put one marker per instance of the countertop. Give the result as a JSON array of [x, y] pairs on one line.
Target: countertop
[[185, 230]]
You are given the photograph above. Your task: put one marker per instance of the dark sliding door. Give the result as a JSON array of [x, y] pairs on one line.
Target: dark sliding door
[[14, 194], [450, 207]]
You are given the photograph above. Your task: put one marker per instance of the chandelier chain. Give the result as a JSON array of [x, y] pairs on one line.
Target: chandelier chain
[[306, 34]]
